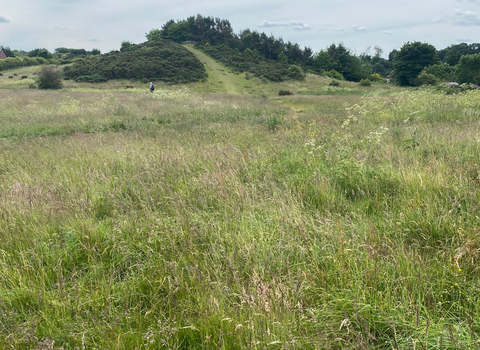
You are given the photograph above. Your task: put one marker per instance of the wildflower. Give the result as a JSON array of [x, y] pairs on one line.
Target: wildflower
[[459, 270]]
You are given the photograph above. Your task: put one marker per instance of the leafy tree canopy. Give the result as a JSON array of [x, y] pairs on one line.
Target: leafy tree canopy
[[468, 69], [40, 53], [453, 53], [410, 61], [8, 52]]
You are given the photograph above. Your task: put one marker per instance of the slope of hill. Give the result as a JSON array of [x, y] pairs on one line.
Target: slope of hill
[[159, 59], [251, 61]]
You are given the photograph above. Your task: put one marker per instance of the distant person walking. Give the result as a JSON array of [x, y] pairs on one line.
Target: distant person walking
[[152, 87]]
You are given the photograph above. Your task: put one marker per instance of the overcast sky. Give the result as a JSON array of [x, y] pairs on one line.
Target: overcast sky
[[104, 24]]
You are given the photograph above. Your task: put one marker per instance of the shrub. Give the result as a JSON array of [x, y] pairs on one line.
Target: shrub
[[23, 77], [272, 122], [160, 60], [295, 73], [333, 74], [365, 82], [96, 78], [49, 78], [425, 78], [334, 82], [284, 93], [377, 78]]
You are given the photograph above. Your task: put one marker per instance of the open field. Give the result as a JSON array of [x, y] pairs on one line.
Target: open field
[[220, 80], [187, 220]]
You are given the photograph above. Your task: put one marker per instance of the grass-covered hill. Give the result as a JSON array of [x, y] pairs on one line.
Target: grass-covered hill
[[158, 59], [251, 61]]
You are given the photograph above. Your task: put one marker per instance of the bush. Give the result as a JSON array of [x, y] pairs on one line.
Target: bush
[[365, 82], [49, 78], [284, 93], [96, 78], [334, 82], [425, 78], [273, 122], [377, 78], [157, 60], [333, 74]]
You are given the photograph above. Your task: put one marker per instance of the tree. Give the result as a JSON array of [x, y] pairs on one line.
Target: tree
[[468, 69], [40, 53], [410, 61], [453, 53], [442, 71], [49, 78], [8, 52]]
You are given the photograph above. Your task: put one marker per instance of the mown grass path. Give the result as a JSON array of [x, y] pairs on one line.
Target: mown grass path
[[218, 74]]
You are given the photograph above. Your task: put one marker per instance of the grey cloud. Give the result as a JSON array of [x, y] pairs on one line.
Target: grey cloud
[[466, 18], [60, 28], [463, 40], [387, 32], [4, 20], [474, 1], [292, 24], [359, 29], [461, 18]]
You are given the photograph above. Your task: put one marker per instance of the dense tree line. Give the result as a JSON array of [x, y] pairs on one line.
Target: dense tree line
[[158, 59], [452, 54], [420, 63]]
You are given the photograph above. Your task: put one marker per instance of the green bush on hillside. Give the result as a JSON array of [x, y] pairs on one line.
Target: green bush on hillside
[[96, 78], [160, 60], [333, 74], [365, 82]]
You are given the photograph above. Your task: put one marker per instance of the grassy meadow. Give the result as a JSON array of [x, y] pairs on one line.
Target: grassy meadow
[[188, 220]]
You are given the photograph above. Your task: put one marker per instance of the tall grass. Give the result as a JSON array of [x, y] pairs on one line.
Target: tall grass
[[186, 221]]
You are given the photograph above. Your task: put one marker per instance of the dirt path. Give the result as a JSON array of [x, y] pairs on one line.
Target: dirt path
[[217, 73]]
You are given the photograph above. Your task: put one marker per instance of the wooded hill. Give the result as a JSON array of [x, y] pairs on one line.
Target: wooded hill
[[159, 59], [269, 57]]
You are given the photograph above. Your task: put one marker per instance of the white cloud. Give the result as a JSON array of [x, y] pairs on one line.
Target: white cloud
[[387, 32], [292, 24], [60, 28], [463, 40], [359, 29], [474, 1], [4, 20]]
